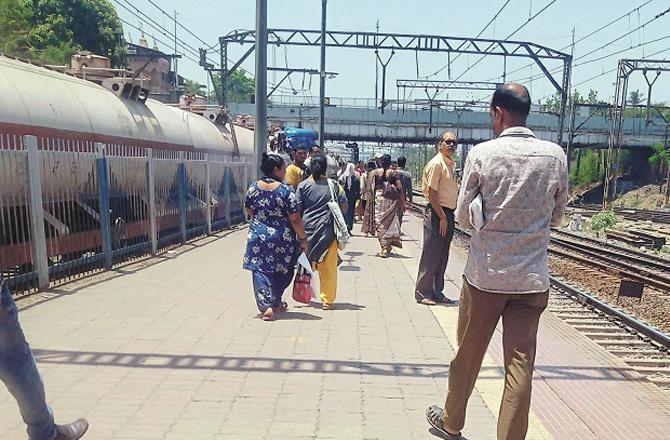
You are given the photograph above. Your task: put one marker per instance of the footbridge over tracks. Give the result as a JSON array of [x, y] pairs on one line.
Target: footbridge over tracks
[[348, 121]]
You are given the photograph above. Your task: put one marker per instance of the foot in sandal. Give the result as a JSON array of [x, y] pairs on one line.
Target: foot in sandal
[[434, 415], [267, 315]]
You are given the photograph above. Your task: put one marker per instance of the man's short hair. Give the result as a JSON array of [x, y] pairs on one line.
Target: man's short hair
[[402, 161], [511, 100]]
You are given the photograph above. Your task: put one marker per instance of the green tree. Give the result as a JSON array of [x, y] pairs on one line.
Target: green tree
[[587, 169], [50, 31], [661, 158], [240, 86], [635, 97], [192, 87], [15, 18], [553, 103]]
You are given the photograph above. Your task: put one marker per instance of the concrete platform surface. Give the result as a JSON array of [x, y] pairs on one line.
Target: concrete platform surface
[[169, 348]]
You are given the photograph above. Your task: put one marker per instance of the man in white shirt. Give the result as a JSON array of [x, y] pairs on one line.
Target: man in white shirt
[[523, 183]]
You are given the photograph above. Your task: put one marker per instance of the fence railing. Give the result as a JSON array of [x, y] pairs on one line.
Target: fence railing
[[66, 212]]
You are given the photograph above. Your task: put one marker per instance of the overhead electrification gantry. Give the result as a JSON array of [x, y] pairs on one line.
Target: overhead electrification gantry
[[409, 42]]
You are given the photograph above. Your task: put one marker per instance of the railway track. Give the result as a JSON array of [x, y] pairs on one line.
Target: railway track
[[627, 263], [627, 213], [644, 348]]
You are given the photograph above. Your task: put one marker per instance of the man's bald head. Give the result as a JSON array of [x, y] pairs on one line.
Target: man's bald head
[[512, 97]]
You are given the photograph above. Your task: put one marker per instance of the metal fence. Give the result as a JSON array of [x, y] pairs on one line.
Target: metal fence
[[68, 210]]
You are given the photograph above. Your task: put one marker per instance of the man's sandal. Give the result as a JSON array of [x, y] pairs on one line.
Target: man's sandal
[[434, 415]]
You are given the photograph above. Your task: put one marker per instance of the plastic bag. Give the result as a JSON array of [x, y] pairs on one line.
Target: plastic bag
[[315, 285]]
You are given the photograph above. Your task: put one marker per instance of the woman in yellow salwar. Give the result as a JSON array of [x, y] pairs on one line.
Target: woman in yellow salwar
[[313, 195]]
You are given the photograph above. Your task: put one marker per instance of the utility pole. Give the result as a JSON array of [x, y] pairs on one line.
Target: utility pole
[[376, 70], [261, 102], [322, 78], [667, 164], [571, 104], [176, 76]]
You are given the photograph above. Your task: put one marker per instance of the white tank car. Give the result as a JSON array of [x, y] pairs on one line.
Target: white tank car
[[54, 105]]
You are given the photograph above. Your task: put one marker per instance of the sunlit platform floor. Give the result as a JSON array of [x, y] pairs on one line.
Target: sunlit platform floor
[[169, 348]]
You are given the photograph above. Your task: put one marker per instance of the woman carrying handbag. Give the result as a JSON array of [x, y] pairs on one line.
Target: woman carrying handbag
[[318, 197], [276, 236]]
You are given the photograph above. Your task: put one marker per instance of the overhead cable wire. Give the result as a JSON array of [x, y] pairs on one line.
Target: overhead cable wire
[[477, 36], [186, 47], [610, 71], [530, 19], [589, 35], [656, 17], [154, 37]]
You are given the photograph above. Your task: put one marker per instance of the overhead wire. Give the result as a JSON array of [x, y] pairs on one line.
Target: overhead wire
[[186, 47], [154, 37], [587, 36], [158, 27], [656, 17], [153, 3], [614, 70], [530, 19], [492, 20]]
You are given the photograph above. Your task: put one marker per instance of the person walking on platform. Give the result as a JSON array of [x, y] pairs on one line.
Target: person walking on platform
[[297, 171], [522, 184], [352, 188], [272, 248], [389, 201], [406, 181], [441, 191], [313, 196], [18, 372], [368, 200]]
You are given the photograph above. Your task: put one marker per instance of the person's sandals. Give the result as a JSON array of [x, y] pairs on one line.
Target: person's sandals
[[445, 300], [327, 306], [283, 306], [434, 416], [383, 254], [267, 315], [426, 302]]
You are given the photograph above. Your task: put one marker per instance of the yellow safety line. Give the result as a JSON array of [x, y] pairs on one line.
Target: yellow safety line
[[489, 385]]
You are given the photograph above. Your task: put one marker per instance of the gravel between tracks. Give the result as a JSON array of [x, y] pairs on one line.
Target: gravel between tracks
[[654, 307]]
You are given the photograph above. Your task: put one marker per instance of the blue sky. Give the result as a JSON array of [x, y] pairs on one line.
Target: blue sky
[[356, 68]]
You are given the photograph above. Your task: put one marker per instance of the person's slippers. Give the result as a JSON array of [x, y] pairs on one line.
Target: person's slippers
[[434, 416], [426, 302]]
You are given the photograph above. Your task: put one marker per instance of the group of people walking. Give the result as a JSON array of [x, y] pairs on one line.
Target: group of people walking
[[290, 214], [513, 188], [285, 221], [520, 185]]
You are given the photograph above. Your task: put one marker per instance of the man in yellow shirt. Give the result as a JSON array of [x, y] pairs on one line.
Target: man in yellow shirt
[[441, 190], [297, 171]]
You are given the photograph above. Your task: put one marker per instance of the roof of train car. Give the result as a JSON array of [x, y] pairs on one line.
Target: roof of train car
[[35, 96]]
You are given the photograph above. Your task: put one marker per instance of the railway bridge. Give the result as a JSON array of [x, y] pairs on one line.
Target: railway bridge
[[358, 120]]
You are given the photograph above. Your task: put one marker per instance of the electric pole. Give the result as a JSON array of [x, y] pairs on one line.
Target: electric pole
[[261, 113], [376, 70], [322, 78], [176, 76]]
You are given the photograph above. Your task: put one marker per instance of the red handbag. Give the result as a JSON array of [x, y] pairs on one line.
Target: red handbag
[[302, 291]]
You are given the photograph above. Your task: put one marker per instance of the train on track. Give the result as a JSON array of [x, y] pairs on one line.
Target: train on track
[[71, 118]]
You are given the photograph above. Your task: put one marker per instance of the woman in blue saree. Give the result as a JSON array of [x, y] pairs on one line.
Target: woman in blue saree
[[276, 236]]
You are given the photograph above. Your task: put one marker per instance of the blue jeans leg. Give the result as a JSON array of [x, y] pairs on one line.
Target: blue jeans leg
[[19, 372]]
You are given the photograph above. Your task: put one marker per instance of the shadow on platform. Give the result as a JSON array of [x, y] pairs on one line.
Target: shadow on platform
[[265, 364]]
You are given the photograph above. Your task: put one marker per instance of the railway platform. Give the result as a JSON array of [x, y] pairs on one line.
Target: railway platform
[[168, 348]]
